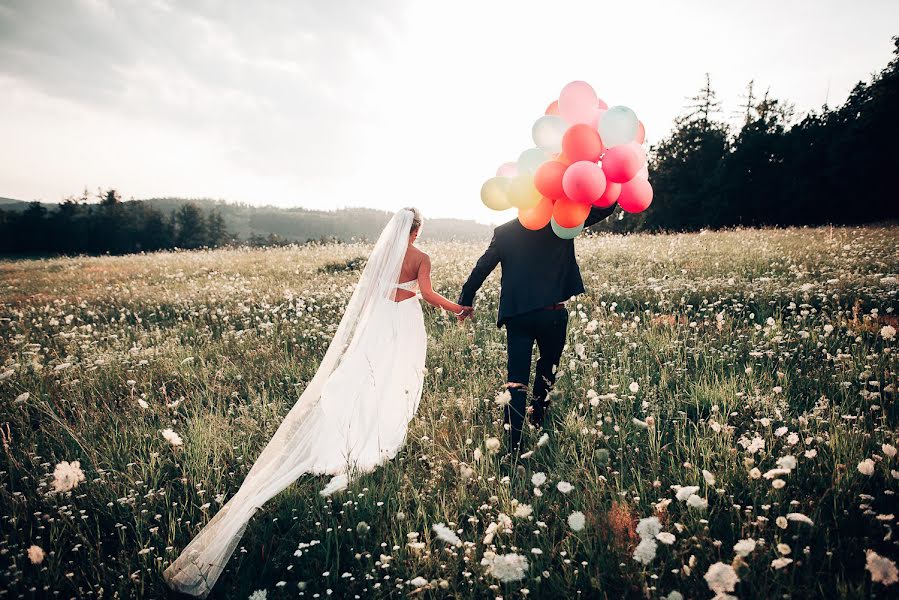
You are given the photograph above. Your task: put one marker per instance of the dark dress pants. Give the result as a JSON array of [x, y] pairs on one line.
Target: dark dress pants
[[546, 327]]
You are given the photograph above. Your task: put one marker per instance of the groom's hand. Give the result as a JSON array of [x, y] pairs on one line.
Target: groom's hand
[[466, 312]]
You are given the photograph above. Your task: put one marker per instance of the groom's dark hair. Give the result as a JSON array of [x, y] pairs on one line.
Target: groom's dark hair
[[416, 218]]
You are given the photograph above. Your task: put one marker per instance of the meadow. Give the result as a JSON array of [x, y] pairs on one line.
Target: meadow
[[724, 424]]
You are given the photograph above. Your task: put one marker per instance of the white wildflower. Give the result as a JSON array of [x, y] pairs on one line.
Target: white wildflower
[[506, 567], [446, 534], [666, 538], [799, 518], [882, 569], [721, 578], [780, 563], [67, 475], [686, 491], [35, 554], [564, 487], [171, 437], [744, 547], [576, 520], [866, 467]]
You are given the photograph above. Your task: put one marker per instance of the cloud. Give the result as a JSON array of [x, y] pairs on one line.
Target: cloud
[[280, 85]]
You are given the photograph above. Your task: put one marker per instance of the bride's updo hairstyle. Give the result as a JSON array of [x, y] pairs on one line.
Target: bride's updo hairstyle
[[416, 219]]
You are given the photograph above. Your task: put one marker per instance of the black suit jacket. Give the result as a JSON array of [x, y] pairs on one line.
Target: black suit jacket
[[538, 267]]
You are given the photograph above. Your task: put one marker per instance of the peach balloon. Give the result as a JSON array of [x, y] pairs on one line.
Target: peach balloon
[[522, 193], [537, 217], [636, 195], [602, 104], [609, 196], [548, 179], [569, 213], [578, 102], [620, 164], [582, 142], [584, 182], [553, 108], [641, 133]]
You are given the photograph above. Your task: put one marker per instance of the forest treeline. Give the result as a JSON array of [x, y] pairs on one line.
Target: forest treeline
[[833, 166], [79, 226]]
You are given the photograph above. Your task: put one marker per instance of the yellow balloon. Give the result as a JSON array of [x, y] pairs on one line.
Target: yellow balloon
[[522, 193], [494, 193]]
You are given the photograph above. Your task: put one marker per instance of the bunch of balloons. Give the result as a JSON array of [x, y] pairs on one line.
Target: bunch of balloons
[[587, 154]]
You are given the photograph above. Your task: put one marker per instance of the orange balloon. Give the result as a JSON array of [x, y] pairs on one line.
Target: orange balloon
[[548, 179], [581, 142], [537, 217], [553, 108], [569, 213]]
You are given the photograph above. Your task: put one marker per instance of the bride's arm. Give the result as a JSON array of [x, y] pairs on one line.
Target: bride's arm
[[427, 291]]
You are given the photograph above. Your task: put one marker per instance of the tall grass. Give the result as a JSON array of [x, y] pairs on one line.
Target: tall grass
[[778, 336]]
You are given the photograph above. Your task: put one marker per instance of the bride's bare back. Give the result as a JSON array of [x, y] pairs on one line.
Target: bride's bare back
[[417, 266]]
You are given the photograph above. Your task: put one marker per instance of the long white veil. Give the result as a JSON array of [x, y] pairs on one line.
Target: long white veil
[[291, 451]]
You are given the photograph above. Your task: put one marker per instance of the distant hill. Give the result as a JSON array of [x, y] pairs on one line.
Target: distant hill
[[299, 224]]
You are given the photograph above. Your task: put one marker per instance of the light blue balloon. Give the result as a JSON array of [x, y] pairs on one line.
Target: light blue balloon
[[566, 233], [617, 126], [530, 159], [548, 131]]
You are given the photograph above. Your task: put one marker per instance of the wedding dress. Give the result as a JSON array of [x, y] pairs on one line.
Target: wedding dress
[[351, 418]]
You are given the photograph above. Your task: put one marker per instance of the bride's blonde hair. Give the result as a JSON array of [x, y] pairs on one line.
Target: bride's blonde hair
[[416, 219]]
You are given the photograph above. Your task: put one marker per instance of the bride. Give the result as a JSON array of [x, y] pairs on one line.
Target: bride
[[354, 413]]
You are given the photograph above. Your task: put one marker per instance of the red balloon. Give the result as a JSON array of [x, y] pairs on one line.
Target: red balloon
[[569, 213], [553, 108], [610, 196], [641, 133], [584, 182], [548, 179], [636, 195], [620, 163], [537, 217], [581, 142]]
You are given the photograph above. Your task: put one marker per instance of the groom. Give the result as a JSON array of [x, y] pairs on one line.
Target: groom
[[539, 273]]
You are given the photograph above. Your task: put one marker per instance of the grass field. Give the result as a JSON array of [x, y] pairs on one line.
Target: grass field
[[738, 386]]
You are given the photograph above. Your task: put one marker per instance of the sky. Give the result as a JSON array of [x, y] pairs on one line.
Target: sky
[[381, 103]]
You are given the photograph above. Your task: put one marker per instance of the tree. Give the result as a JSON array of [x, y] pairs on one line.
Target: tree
[[216, 230], [191, 227]]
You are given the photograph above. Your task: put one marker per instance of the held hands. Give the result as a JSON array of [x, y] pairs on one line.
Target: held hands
[[463, 314]]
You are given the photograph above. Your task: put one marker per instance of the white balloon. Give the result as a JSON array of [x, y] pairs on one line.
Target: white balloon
[[548, 131], [530, 159], [617, 126]]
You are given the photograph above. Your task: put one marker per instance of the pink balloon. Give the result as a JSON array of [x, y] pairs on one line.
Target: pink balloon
[[636, 195], [641, 133], [578, 102], [610, 196], [602, 104], [508, 169], [594, 123], [639, 151], [584, 182], [620, 163], [643, 173], [553, 108]]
